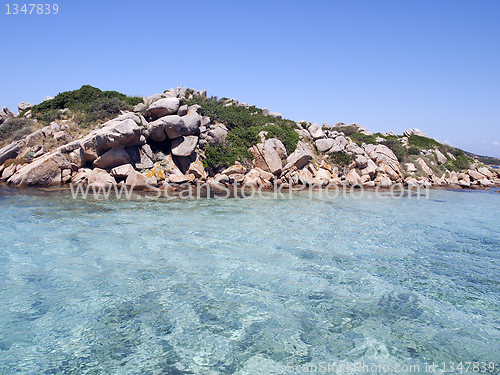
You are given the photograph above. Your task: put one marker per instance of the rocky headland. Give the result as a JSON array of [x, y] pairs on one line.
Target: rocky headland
[[89, 136]]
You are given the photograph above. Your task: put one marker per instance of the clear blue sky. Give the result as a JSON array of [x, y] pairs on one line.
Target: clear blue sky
[[388, 65]]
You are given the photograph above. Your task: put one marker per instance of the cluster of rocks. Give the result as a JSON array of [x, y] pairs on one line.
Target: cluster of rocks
[[120, 150], [6, 113], [163, 140]]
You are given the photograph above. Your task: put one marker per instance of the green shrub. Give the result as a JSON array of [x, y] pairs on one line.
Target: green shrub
[[102, 110], [52, 115], [413, 150], [22, 113], [340, 159], [359, 138], [91, 103], [422, 142], [285, 134], [223, 156], [14, 129], [347, 130], [463, 161], [244, 126], [21, 133], [397, 147]]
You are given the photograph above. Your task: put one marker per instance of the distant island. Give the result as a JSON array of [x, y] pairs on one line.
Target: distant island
[[89, 136]]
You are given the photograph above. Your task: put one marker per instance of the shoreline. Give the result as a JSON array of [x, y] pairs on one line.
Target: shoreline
[[186, 191], [182, 136]]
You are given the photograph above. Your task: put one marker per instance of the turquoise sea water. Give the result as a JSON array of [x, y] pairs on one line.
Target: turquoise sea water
[[247, 286]]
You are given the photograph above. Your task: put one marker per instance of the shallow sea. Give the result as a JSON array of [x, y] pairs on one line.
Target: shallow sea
[[248, 286]]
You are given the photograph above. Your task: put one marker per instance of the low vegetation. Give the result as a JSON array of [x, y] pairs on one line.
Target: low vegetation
[[416, 144], [14, 129], [488, 160], [244, 125], [462, 161], [86, 105], [340, 159], [89, 106], [397, 147], [348, 130], [361, 138], [422, 142]]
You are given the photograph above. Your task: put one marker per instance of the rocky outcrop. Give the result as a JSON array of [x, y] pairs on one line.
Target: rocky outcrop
[[11, 151], [112, 158], [99, 177], [140, 181], [24, 106], [197, 169], [175, 179], [475, 175], [121, 172], [278, 146], [214, 135], [415, 131], [486, 172], [43, 171], [174, 126], [9, 171], [184, 146], [322, 177], [425, 167], [124, 131], [316, 131], [266, 156], [234, 169], [179, 134], [353, 178], [163, 107], [252, 178], [440, 157], [361, 162], [305, 177], [324, 145], [387, 162], [5, 114], [300, 157]]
